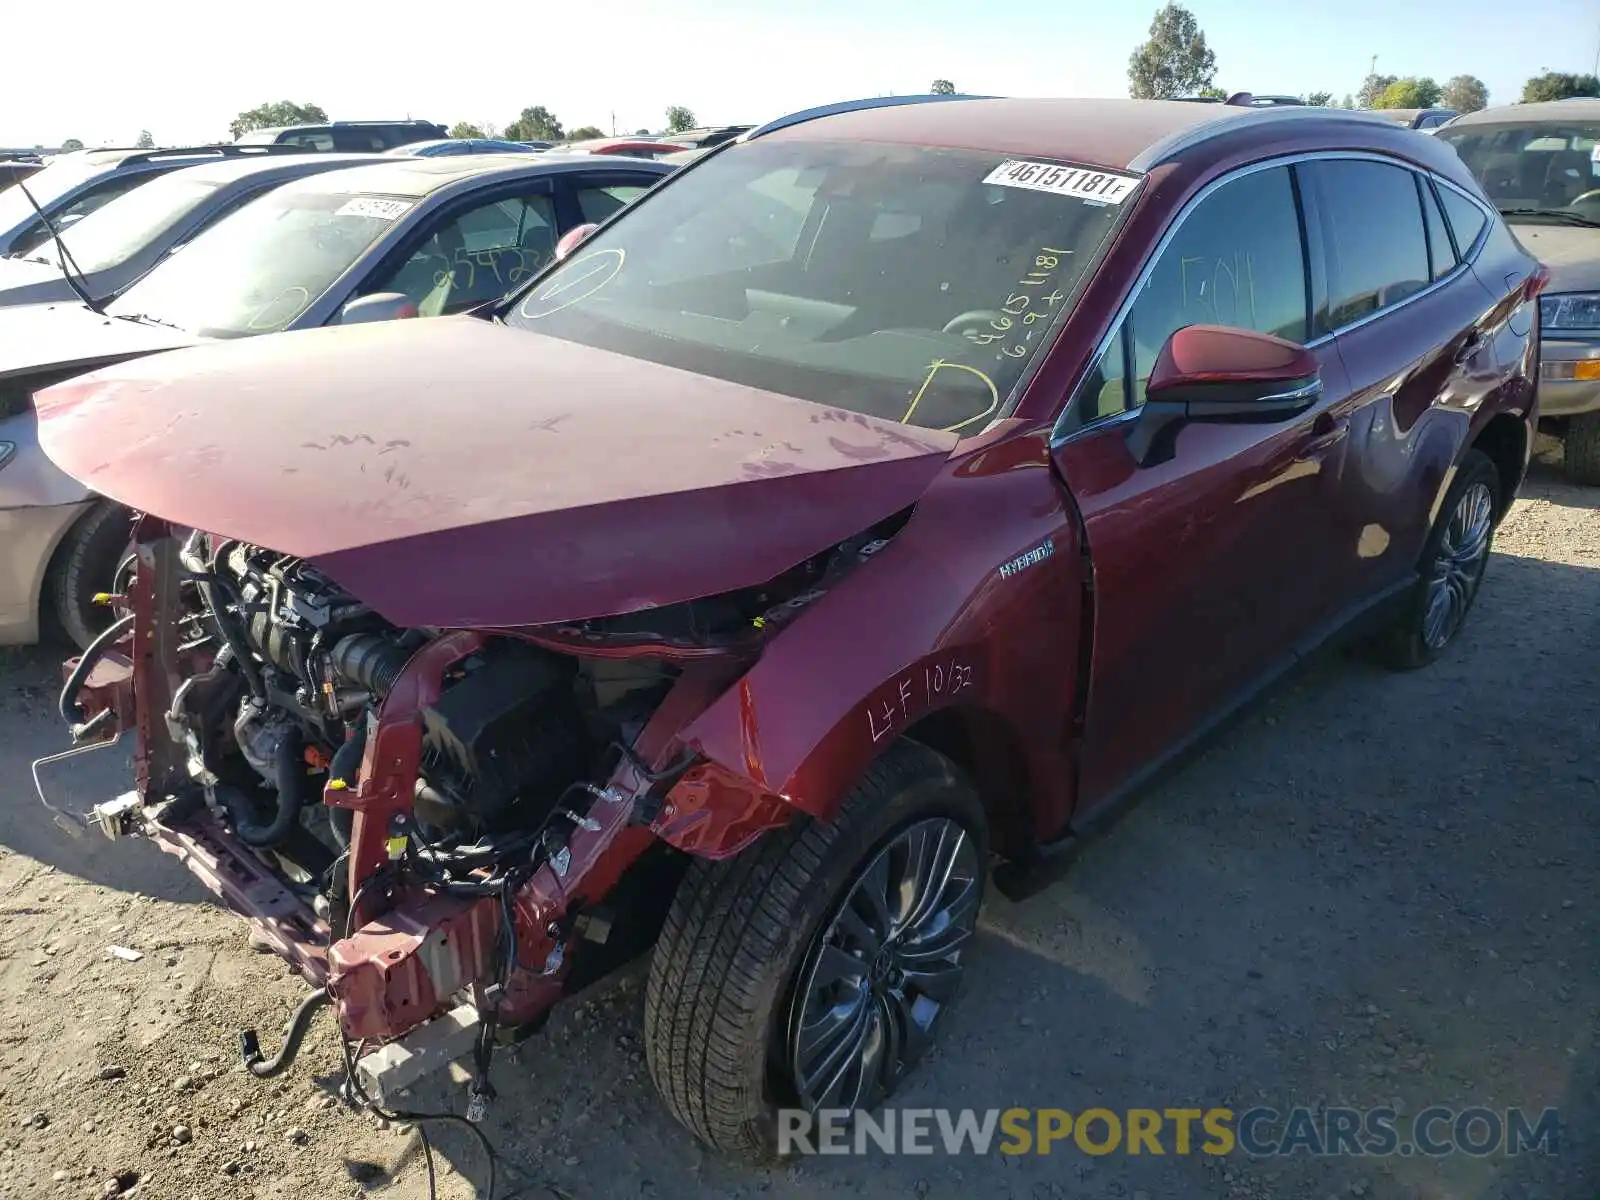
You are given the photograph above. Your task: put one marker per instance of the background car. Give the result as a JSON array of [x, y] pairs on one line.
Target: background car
[[633, 147], [447, 146], [71, 186], [117, 243], [348, 136], [709, 135], [398, 238], [1415, 118], [1540, 165], [13, 169]]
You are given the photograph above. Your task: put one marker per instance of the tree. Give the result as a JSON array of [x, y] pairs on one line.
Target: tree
[[1213, 93], [942, 87], [1349, 101], [1175, 61], [1554, 85], [145, 142], [1465, 93], [641, 133], [1371, 88], [71, 144], [584, 132], [1408, 93], [679, 118], [268, 116], [536, 124], [1318, 99], [465, 129]]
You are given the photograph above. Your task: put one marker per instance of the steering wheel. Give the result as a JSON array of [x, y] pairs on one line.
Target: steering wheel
[[976, 318], [1587, 198]]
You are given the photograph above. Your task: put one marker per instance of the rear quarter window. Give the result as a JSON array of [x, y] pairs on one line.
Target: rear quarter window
[[1466, 218]]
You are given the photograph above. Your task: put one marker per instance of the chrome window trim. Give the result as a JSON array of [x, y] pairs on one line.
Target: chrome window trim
[[1115, 327]]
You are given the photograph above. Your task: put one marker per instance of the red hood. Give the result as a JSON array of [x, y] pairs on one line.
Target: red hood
[[455, 472]]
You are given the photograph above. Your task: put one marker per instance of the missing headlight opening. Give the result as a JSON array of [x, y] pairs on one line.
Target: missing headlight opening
[[444, 831]]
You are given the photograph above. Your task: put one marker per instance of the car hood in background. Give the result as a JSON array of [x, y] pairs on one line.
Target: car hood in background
[[51, 338], [1571, 252], [456, 472], [23, 281]]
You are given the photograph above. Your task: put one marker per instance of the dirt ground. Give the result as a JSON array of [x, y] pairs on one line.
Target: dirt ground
[[1374, 889]]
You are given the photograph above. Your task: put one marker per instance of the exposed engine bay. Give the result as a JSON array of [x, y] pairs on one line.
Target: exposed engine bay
[[285, 709], [427, 823]]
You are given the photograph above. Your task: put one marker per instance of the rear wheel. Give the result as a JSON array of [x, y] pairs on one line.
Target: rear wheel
[[86, 563], [814, 969], [1451, 568], [1581, 449]]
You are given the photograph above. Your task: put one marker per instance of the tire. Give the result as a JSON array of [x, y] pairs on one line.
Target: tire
[[85, 564], [1581, 449], [1414, 640], [744, 940]]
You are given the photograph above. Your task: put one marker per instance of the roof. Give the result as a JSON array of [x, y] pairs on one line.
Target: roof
[[422, 176], [227, 170], [1579, 108], [1110, 133]]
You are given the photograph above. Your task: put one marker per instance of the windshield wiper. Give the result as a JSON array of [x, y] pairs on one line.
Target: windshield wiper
[[147, 319], [77, 284], [1557, 214]]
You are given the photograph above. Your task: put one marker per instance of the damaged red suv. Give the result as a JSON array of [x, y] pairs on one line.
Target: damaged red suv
[[832, 532]]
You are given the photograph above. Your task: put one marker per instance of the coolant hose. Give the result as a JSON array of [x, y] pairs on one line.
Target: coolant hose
[[67, 705], [250, 1047], [209, 584], [344, 772], [290, 768]]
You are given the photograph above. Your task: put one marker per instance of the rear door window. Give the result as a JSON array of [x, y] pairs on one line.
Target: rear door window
[[1377, 249], [597, 202], [1466, 218]]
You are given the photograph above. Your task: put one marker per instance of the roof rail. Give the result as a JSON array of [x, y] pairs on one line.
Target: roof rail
[[223, 150], [846, 106]]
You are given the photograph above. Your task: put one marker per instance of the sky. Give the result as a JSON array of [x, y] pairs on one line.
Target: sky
[[182, 69]]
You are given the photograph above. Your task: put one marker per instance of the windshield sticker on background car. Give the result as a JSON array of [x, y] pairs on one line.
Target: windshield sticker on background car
[[1104, 187], [373, 206]]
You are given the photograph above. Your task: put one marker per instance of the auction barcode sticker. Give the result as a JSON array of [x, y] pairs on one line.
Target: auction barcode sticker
[[1085, 183], [373, 206]]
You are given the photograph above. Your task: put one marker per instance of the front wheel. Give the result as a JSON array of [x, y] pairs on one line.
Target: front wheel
[[814, 969], [1451, 569], [89, 561], [1580, 449]]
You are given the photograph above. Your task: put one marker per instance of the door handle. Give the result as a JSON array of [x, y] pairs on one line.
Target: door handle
[[1326, 431], [1474, 343]]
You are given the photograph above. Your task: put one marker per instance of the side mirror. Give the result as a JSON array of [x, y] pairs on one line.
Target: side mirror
[[1217, 373], [380, 306], [569, 240]]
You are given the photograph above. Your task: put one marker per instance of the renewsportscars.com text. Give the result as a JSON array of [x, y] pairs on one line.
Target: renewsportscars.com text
[[1258, 1132]]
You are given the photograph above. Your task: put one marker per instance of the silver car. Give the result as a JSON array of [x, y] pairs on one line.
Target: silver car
[[73, 185], [403, 237], [119, 242], [1540, 164]]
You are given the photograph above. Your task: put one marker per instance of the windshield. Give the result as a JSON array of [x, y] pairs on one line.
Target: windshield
[[906, 282], [257, 270], [1544, 166], [115, 233], [46, 186]]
